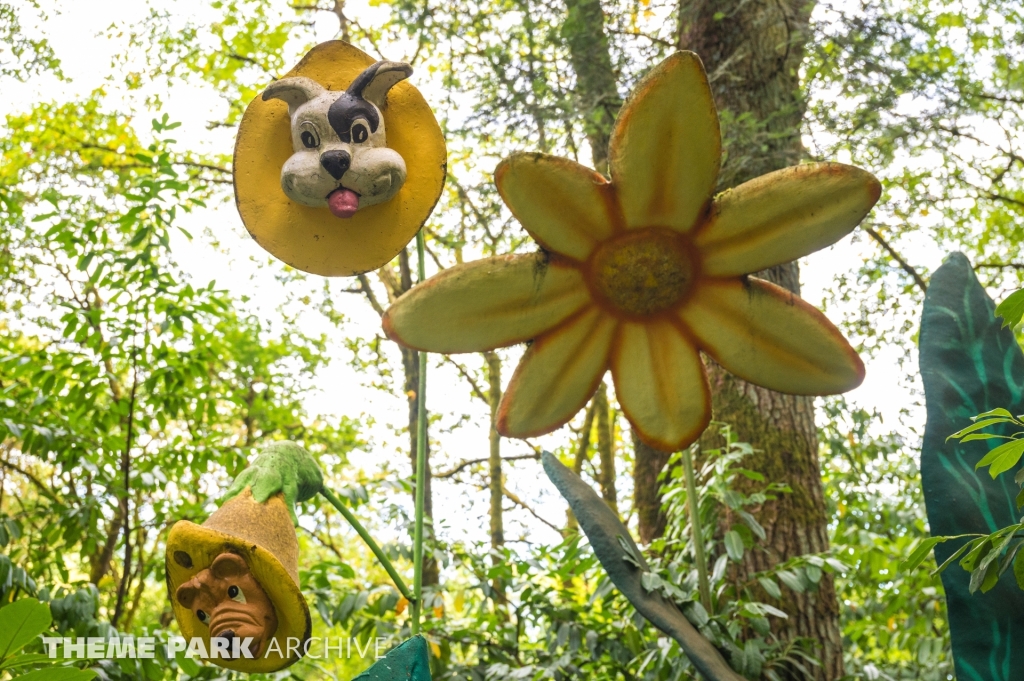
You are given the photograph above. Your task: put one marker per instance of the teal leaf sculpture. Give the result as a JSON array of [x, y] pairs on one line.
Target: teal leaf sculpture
[[625, 565], [407, 661], [970, 365]]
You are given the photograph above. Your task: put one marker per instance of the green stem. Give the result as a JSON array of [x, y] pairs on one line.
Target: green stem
[[361, 531], [697, 533], [421, 461]]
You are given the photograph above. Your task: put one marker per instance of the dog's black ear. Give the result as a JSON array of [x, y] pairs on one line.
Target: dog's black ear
[[373, 83], [295, 91]]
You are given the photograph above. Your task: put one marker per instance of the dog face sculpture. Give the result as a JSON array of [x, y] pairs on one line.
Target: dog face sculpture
[[341, 157], [227, 598]]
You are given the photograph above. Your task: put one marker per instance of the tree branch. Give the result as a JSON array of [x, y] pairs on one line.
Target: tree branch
[[473, 385], [639, 34], [904, 265], [364, 283], [469, 462], [33, 479], [1000, 265], [521, 504]]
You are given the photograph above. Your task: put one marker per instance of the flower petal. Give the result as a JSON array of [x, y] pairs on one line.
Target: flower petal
[[562, 204], [784, 215], [766, 335], [557, 376], [666, 147], [661, 384], [486, 304]]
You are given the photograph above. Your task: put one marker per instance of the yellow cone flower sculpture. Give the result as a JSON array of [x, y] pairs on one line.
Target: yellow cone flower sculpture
[[641, 274]]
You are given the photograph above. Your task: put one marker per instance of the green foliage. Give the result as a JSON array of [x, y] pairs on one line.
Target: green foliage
[[1003, 457], [893, 621], [20, 623], [740, 622], [110, 352], [931, 101], [1011, 309], [21, 56]]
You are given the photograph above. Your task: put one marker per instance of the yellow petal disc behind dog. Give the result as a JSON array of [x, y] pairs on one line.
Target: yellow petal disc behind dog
[[312, 239]]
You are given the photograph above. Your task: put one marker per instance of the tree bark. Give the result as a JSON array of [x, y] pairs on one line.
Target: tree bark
[[596, 87], [648, 463], [582, 454], [605, 448], [752, 50], [494, 461], [496, 477]]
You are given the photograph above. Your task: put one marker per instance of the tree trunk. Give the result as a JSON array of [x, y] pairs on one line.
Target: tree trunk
[[597, 93], [582, 454], [605, 448], [752, 50], [495, 479], [648, 463]]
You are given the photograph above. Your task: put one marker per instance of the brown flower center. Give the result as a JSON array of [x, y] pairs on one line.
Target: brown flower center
[[642, 272]]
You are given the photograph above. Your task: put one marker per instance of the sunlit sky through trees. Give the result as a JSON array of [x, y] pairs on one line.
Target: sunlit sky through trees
[[86, 38]]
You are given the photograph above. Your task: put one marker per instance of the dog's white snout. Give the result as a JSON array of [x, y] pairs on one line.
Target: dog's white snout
[[382, 184]]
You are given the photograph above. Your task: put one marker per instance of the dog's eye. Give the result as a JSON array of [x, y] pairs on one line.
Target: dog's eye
[[309, 139], [201, 615], [235, 594], [359, 133]]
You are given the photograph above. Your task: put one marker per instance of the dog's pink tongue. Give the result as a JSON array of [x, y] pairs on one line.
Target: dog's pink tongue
[[343, 202]]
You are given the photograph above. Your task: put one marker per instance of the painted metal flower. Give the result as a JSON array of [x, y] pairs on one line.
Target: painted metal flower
[[641, 274]]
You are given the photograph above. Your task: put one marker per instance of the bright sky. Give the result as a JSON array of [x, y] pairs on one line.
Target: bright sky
[[245, 269]]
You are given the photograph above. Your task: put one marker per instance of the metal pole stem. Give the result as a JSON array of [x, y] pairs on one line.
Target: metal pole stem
[[421, 463], [697, 534], [361, 531]]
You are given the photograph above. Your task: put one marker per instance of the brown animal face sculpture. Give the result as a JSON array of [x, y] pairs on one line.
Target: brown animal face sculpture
[[230, 602]]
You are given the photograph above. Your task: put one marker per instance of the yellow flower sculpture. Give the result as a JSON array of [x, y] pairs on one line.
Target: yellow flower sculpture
[[641, 274]]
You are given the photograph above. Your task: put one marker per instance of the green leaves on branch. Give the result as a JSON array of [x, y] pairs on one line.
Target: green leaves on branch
[[1011, 309], [985, 556], [1005, 456]]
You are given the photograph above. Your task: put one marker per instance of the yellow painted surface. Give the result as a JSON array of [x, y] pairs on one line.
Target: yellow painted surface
[[312, 239]]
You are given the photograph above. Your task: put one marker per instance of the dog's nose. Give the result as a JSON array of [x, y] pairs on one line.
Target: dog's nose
[[335, 162], [228, 636]]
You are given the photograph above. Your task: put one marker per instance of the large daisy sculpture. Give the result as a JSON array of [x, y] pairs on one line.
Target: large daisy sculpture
[[643, 273]]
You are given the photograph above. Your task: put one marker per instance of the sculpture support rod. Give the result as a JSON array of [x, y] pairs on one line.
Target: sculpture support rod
[[421, 460], [361, 531]]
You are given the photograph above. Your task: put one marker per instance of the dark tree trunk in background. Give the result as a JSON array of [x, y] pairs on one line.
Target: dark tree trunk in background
[[752, 50], [605, 447], [648, 463], [596, 88]]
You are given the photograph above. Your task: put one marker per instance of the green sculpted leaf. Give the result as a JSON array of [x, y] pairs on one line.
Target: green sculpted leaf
[[406, 662], [20, 622], [626, 567], [970, 365]]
